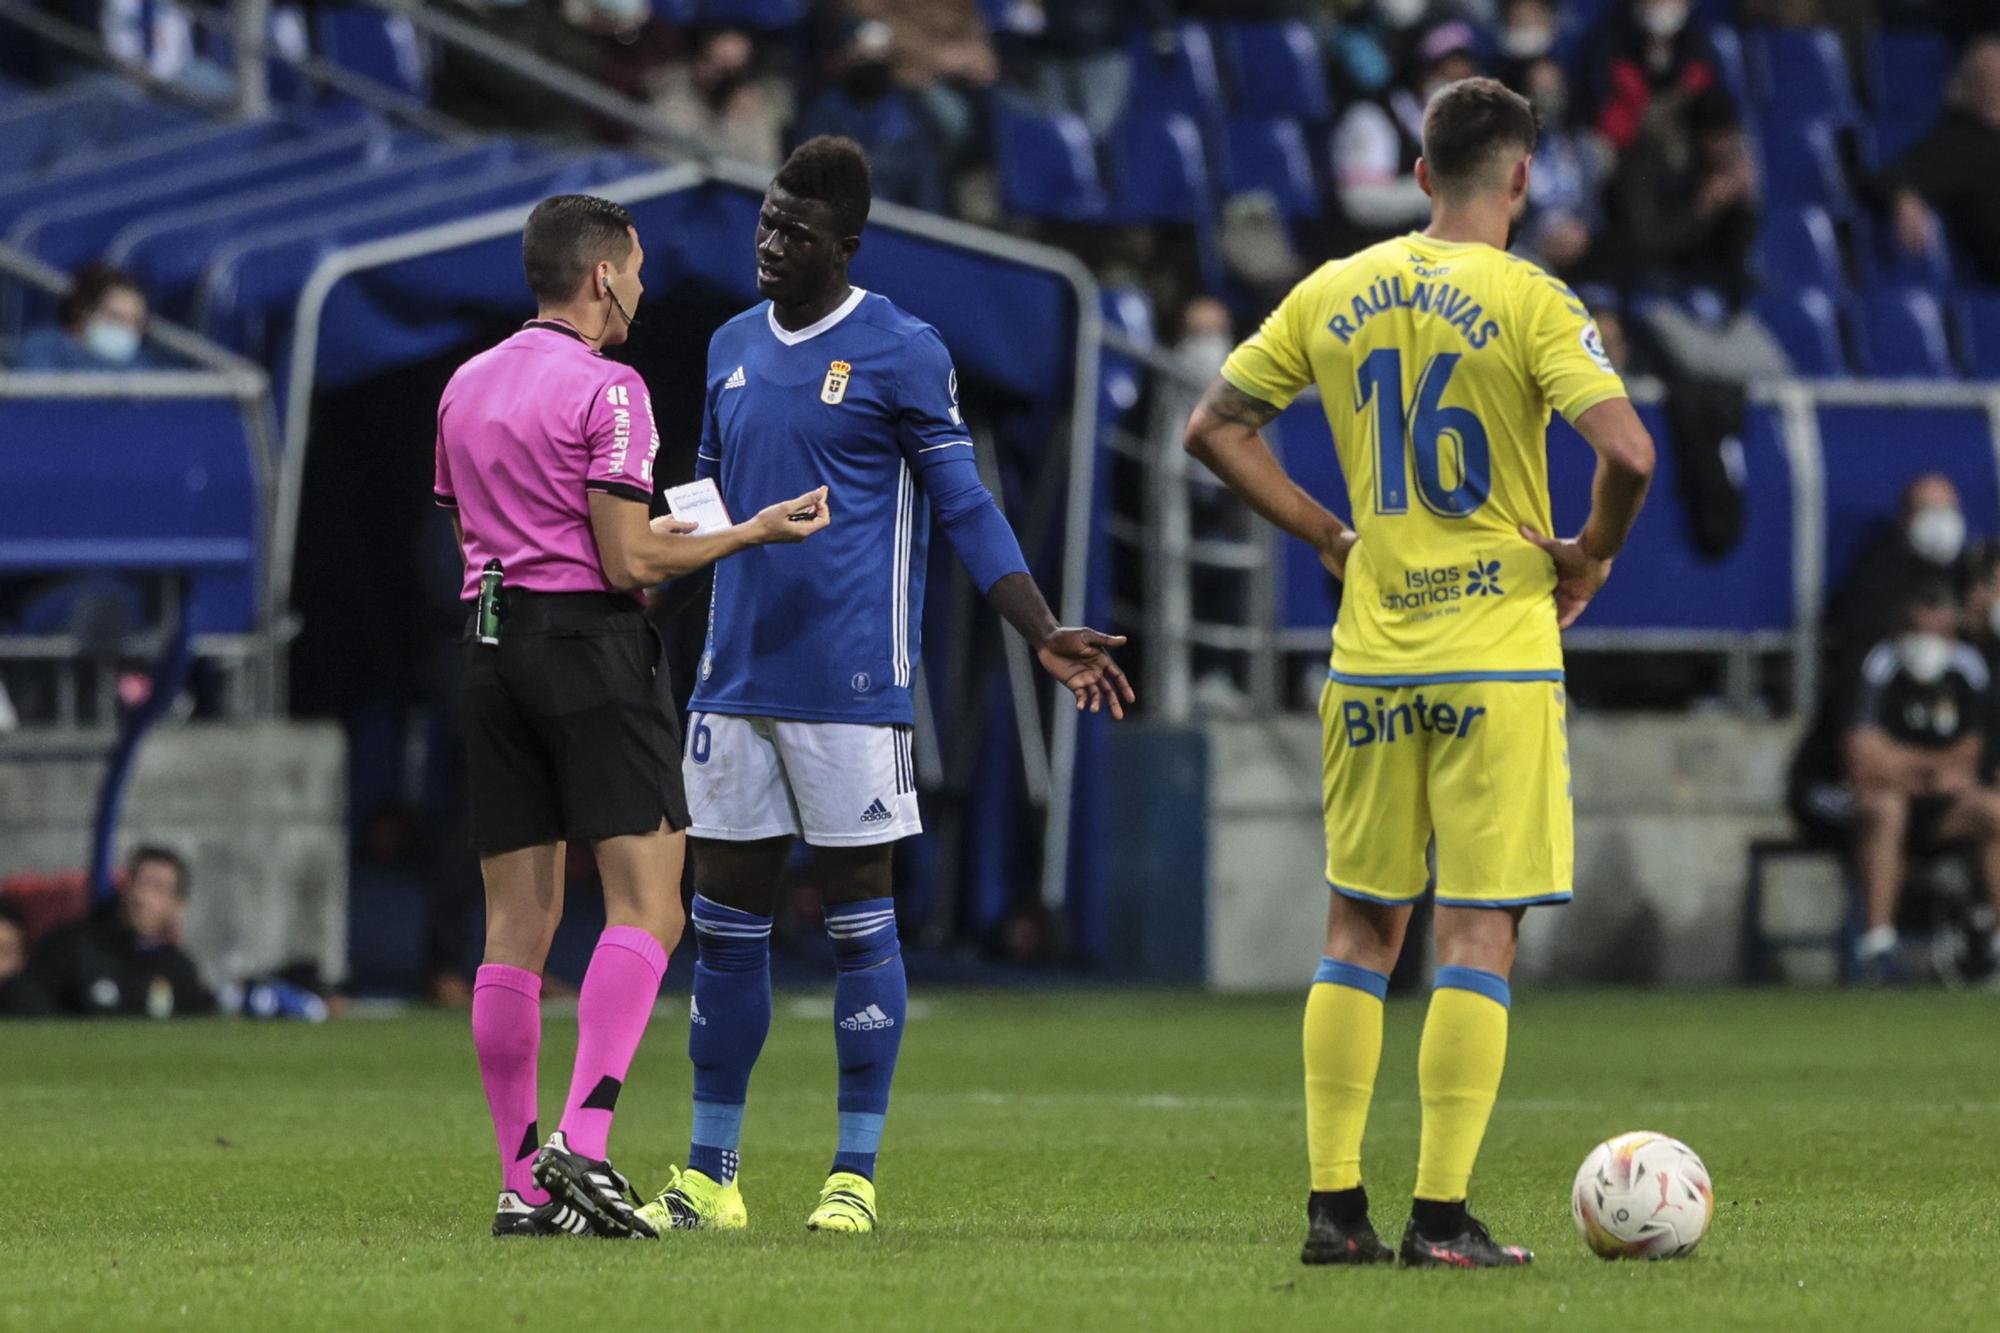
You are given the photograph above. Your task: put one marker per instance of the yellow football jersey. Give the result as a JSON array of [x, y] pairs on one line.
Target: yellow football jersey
[[1438, 363]]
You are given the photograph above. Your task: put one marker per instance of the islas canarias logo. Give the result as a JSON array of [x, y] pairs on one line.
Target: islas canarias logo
[[1443, 585]]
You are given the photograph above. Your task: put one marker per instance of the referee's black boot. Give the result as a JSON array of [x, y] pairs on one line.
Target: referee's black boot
[[593, 1188]]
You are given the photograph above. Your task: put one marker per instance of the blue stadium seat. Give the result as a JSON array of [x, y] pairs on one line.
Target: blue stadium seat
[[1806, 323], [378, 46], [1048, 167], [769, 15], [1183, 81], [1735, 65], [1160, 169], [59, 130], [1802, 166], [1799, 247], [1979, 334], [1885, 263], [1271, 155], [1899, 333], [1908, 72], [1806, 75], [1276, 69]]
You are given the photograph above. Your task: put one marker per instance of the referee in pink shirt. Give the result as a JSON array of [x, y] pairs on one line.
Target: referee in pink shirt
[[545, 457]]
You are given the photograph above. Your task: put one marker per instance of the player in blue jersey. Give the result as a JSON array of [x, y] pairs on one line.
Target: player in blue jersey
[[801, 717]]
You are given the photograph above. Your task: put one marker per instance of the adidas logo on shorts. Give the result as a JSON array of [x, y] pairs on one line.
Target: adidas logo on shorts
[[876, 812], [868, 1020]]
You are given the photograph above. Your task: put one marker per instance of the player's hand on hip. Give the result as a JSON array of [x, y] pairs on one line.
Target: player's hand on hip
[[1334, 554], [1080, 660], [666, 525], [1579, 574], [793, 520]]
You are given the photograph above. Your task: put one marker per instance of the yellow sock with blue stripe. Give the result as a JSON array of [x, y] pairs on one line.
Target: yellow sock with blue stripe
[[1459, 1063], [1343, 1048]]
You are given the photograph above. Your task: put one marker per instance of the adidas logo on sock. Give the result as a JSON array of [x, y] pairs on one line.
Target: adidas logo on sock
[[876, 812], [736, 379], [868, 1020], [694, 1012]]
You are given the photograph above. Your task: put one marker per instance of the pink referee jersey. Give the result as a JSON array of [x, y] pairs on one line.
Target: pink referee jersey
[[524, 431]]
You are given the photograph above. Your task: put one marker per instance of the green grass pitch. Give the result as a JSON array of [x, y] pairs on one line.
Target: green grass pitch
[[1055, 1161]]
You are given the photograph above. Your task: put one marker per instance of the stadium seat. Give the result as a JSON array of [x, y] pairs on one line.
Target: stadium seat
[[1798, 246], [1805, 75], [1908, 70], [1885, 263], [1183, 81], [1979, 334], [1802, 166], [1806, 323], [1048, 168], [378, 46], [1271, 155], [1899, 333], [1276, 69], [1735, 65], [768, 15], [1160, 170]]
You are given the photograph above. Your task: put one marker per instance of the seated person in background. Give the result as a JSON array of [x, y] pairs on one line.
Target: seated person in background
[[1643, 50], [862, 102], [1566, 191], [1912, 754], [1953, 172], [21, 995], [1926, 542], [101, 325], [1378, 139], [125, 957]]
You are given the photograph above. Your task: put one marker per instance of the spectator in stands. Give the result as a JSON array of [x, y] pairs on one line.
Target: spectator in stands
[[1076, 53], [1686, 205], [1953, 172], [490, 96], [100, 326], [944, 61], [125, 957], [1912, 755], [1926, 543], [1372, 42], [1566, 190], [721, 99], [1527, 37], [1644, 50], [21, 994], [862, 102], [1378, 140]]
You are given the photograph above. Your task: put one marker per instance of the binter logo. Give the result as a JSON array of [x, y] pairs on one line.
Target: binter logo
[[1367, 724], [871, 1019], [876, 812]]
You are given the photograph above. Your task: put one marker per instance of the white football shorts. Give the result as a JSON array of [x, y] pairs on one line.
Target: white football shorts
[[839, 784]]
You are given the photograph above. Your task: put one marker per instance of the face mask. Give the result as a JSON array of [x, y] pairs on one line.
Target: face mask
[[1551, 106], [1525, 43], [1925, 656], [1401, 13], [1937, 533], [1204, 353], [1663, 20], [109, 340]]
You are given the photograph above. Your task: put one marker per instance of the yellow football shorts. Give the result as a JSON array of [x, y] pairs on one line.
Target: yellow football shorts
[[1481, 766]]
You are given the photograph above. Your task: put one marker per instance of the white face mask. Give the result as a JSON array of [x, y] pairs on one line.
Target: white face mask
[[1663, 20], [1527, 42], [1401, 13], [1204, 353], [109, 340], [1937, 533], [1925, 656]]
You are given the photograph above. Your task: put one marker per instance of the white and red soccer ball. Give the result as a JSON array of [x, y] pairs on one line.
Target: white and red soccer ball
[[1642, 1196]]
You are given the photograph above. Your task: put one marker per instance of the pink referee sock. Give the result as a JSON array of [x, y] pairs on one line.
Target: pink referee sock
[[507, 1033], [617, 998]]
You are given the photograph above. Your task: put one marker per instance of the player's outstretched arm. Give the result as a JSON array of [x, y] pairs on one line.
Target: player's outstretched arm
[[1078, 656], [1225, 436], [638, 552], [1624, 471]]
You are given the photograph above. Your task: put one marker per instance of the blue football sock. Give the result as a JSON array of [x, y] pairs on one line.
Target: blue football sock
[[727, 1022], [870, 1002]]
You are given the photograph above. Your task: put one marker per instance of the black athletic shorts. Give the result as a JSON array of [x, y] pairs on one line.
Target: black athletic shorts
[[570, 726]]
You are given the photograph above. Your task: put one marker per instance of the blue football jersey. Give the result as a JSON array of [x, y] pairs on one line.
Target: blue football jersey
[[864, 402]]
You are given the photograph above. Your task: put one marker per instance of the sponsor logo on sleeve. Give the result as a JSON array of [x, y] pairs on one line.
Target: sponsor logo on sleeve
[[1593, 346]]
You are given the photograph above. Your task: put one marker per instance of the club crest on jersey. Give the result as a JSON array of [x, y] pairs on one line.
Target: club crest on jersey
[[835, 387]]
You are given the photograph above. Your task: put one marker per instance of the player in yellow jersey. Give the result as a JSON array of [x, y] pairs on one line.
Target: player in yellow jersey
[[1438, 358]]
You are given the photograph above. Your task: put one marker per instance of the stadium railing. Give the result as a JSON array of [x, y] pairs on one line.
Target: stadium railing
[[1223, 592]]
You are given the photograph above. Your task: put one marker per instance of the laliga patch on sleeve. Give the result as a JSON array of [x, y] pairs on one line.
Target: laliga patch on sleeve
[[699, 502], [1593, 344]]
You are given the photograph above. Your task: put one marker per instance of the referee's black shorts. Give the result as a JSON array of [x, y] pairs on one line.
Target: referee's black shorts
[[570, 727]]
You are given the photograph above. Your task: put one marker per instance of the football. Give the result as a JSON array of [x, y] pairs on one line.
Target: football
[[1642, 1196]]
